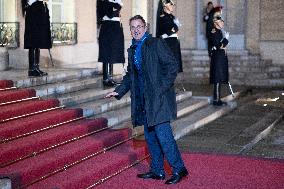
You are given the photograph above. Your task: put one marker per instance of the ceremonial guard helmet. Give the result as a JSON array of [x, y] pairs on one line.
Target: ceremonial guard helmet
[[217, 13], [167, 1]]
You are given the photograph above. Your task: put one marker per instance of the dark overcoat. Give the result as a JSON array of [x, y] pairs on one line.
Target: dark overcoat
[[111, 37], [159, 68], [37, 26], [219, 71], [167, 26]]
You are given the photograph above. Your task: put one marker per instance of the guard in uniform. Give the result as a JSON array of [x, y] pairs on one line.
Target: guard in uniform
[[111, 37], [219, 72], [168, 27], [208, 18], [37, 33]]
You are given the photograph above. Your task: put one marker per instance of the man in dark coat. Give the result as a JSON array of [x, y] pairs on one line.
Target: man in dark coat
[[111, 37], [150, 77], [219, 72], [37, 33]]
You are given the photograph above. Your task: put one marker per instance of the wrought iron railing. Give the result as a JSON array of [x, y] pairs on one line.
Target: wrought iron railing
[[64, 33], [61, 33], [9, 34]]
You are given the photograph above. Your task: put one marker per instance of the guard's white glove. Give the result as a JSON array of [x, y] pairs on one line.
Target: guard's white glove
[[116, 1], [206, 17], [176, 21], [226, 34]]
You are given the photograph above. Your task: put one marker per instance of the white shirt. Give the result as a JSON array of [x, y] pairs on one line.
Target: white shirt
[[30, 2], [116, 1]]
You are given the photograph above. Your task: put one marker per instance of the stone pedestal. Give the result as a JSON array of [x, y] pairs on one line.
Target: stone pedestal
[[4, 59]]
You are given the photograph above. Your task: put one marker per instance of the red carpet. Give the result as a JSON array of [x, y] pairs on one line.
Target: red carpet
[[93, 169], [103, 153], [6, 84], [11, 95], [210, 172], [28, 107], [36, 142], [35, 122], [24, 142]]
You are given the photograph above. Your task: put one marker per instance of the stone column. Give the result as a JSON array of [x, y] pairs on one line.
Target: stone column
[[4, 59], [253, 26]]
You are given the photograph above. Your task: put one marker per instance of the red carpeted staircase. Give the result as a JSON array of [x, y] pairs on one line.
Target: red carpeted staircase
[[43, 145]]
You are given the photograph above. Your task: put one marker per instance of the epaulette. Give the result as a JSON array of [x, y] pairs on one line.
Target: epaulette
[[213, 30]]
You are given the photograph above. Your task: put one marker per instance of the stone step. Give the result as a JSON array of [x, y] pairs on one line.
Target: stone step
[[54, 76], [205, 52], [67, 86], [117, 118], [259, 130], [275, 69], [235, 65], [194, 113], [83, 96], [238, 70], [275, 75], [193, 121], [5, 183], [98, 107], [272, 145], [279, 83], [204, 115], [109, 107]]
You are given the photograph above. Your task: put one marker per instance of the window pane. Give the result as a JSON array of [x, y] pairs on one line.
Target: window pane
[[56, 13], [7, 11]]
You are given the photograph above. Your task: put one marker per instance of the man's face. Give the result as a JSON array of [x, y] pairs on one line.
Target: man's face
[[210, 7], [219, 24], [137, 29], [169, 8]]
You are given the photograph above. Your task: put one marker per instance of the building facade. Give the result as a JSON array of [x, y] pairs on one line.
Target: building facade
[[256, 28]]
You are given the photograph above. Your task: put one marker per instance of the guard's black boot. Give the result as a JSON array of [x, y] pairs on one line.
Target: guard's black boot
[[217, 95], [106, 79], [37, 56], [32, 68], [110, 75]]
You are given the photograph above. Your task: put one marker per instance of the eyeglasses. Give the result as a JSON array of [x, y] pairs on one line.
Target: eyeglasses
[[133, 28]]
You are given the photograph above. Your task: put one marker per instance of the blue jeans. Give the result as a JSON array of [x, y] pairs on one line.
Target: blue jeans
[[161, 142]]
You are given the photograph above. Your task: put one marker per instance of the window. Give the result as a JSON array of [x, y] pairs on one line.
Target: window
[[61, 10], [7, 10]]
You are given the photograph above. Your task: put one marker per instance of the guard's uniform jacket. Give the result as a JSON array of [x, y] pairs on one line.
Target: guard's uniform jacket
[[111, 37], [37, 26], [219, 72], [168, 29]]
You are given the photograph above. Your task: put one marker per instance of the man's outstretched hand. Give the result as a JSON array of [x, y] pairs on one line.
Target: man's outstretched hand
[[112, 94]]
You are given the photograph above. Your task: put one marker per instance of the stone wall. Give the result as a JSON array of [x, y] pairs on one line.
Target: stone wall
[[264, 29], [244, 69]]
